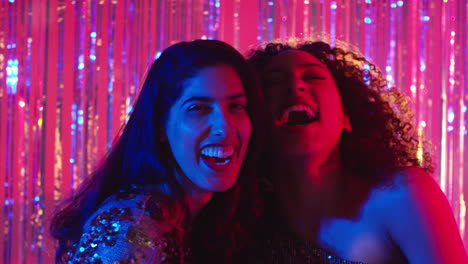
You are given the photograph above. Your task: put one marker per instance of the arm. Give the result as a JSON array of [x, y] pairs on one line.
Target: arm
[[420, 221]]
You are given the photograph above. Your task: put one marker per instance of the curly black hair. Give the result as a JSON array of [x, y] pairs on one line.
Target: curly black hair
[[382, 133]]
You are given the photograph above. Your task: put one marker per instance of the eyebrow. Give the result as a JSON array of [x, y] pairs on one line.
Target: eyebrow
[[211, 99], [302, 65]]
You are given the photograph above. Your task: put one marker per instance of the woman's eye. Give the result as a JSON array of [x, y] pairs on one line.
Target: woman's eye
[[310, 77], [198, 108], [238, 107]]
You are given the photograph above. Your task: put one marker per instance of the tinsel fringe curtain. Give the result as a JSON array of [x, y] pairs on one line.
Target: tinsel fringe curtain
[[70, 72]]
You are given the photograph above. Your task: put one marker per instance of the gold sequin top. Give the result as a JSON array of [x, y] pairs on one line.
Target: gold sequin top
[[129, 227]]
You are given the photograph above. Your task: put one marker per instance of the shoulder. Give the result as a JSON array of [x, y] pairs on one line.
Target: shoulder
[[136, 201], [130, 225], [130, 207], [418, 218], [411, 187], [408, 184]]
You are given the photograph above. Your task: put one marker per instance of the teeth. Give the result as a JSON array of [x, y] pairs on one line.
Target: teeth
[[305, 108], [220, 152]]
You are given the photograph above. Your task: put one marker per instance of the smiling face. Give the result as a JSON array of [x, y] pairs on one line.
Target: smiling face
[[208, 129], [305, 104]]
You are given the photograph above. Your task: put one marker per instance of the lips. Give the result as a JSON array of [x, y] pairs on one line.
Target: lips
[[217, 156], [298, 115]]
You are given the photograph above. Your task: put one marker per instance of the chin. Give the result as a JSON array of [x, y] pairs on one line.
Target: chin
[[223, 188], [220, 189], [220, 186]]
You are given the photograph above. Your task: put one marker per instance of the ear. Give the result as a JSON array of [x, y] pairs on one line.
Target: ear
[[346, 123]]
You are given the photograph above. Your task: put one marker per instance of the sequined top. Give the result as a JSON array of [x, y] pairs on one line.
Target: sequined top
[[128, 227], [275, 244], [288, 251]]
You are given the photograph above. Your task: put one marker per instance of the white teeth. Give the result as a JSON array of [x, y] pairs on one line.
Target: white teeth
[[220, 152], [305, 108]]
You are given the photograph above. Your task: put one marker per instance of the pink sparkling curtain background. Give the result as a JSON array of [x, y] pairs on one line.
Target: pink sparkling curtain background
[[70, 72]]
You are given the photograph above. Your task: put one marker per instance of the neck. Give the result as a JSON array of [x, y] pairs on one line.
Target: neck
[[309, 172], [197, 201], [195, 197], [307, 189]]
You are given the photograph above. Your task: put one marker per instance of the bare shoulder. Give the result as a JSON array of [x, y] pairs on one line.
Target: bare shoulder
[[418, 218], [409, 185]]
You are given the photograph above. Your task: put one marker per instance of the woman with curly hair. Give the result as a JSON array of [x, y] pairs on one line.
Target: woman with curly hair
[[348, 186], [175, 187]]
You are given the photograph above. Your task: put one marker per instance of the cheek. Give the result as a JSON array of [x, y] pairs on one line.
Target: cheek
[[186, 127], [182, 139], [247, 132], [244, 126], [332, 101]]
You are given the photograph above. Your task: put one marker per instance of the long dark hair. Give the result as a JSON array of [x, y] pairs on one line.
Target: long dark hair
[[383, 138], [141, 156]]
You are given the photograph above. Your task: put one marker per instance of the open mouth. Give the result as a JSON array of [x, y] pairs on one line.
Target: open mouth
[[298, 115], [217, 155]]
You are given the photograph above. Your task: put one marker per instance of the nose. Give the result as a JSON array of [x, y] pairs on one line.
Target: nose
[[296, 86], [219, 123]]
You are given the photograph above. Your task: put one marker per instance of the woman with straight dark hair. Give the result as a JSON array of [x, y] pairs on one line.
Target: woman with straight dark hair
[[175, 187]]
